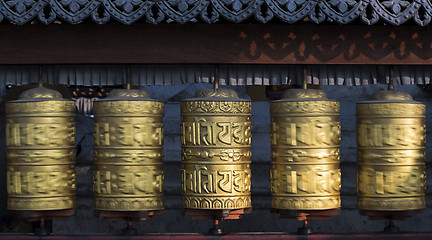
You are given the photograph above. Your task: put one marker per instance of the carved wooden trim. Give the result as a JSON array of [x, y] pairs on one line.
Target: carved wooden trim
[[216, 43], [394, 12]]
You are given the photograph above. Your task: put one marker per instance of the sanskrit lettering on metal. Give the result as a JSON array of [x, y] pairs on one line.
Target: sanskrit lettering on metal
[[216, 141], [128, 137], [305, 138], [391, 153], [40, 133]]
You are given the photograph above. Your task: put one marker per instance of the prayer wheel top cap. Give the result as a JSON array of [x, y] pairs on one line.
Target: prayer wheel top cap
[[40, 94], [128, 94], [304, 94], [389, 95], [219, 94]]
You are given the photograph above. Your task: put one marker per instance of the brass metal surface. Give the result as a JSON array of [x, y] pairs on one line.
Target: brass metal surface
[[305, 138], [40, 93], [128, 137], [304, 94], [222, 93], [216, 141], [392, 95], [40, 133], [391, 153], [122, 94]]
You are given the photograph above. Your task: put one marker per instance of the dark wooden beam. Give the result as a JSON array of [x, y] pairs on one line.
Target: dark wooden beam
[[217, 43], [230, 236]]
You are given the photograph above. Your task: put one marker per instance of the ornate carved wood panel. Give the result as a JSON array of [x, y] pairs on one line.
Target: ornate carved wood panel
[[394, 12]]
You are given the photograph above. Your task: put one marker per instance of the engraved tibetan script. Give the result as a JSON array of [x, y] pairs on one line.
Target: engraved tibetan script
[[391, 182], [202, 132], [390, 135], [20, 134], [202, 180], [28, 183], [107, 182], [149, 134], [311, 133], [311, 182]]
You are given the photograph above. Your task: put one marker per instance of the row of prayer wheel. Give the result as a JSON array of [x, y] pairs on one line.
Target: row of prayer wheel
[[216, 150]]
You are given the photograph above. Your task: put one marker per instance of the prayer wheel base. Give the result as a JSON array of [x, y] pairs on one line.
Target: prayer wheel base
[[42, 220], [302, 215], [128, 215], [305, 229], [217, 216], [305, 216], [394, 215], [34, 216], [390, 228], [202, 214]]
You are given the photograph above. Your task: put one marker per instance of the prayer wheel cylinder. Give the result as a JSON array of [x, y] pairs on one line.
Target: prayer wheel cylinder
[[391, 153], [216, 141], [305, 138], [128, 137], [40, 133]]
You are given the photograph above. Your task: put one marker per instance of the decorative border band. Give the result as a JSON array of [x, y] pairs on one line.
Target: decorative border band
[[211, 11]]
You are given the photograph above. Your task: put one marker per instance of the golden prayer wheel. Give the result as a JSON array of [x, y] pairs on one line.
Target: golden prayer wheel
[[40, 133], [216, 142], [128, 137], [305, 138], [391, 153]]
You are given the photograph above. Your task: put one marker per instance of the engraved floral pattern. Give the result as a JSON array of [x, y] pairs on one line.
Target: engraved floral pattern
[[216, 107], [134, 107], [225, 106], [216, 203]]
